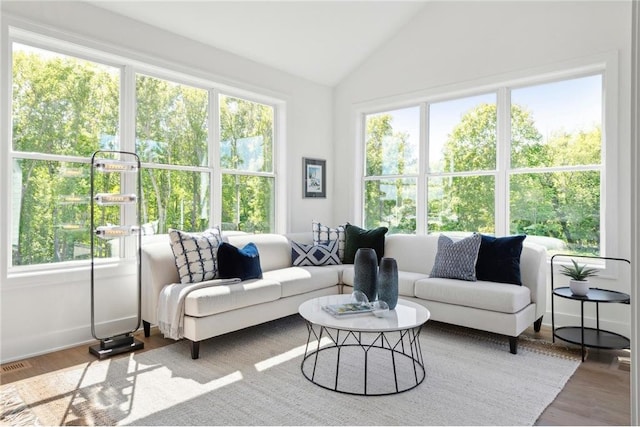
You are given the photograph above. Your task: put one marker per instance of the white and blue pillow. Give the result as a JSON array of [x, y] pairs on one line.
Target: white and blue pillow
[[323, 235], [196, 254], [320, 254]]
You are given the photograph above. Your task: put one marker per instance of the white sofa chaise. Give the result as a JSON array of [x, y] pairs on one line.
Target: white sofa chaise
[[505, 309]]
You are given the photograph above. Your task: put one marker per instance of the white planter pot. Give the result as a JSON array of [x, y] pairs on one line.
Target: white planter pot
[[579, 287]]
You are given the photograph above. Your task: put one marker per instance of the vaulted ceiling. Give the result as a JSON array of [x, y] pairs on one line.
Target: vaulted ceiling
[[321, 41]]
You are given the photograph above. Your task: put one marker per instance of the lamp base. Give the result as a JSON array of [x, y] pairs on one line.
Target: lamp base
[[112, 346]]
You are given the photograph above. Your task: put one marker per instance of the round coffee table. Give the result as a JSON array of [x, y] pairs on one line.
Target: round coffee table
[[360, 353]]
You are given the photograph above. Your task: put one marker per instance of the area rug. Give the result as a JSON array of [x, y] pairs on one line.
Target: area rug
[[253, 377]]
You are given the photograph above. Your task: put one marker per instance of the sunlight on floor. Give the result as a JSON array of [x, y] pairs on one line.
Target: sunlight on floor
[[288, 355]]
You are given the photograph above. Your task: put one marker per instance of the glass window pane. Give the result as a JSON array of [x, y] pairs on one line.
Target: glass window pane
[[391, 203], [246, 135], [63, 105], [564, 207], [248, 203], [171, 122], [462, 134], [50, 212], [462, 203], [391, 142], [174, 199], [557, 124]]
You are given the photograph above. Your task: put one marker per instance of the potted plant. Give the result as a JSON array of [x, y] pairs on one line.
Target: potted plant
[[578, 274]]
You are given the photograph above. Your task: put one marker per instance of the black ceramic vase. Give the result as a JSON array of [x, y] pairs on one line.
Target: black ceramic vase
[[365, 269], [387, 285]]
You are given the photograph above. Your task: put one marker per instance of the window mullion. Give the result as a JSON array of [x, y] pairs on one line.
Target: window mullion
[[127, 142], [128, 109], [215, 200], [361, 168], [503, 150], [422, 209]]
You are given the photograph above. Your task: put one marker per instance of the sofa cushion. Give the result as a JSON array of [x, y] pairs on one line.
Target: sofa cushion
[[195, 254], [456, 260], [300, 280], [321, 254], [406, 280], [323, 235], [243, 263], [357, 238], [499, 259], [500, 297], [220, 298], [413, 252]]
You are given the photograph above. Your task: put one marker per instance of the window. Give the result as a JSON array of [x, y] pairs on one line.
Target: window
[[63, 109], [172, 142], [246, 158], [391, 170], [66, 106], [523, 159], [462, 163], [556, 150]]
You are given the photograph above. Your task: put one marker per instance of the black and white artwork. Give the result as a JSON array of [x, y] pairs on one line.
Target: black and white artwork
[[314, 177]]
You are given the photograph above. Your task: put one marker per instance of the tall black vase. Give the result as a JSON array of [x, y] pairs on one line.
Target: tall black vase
[[365, 268], [387, 286]]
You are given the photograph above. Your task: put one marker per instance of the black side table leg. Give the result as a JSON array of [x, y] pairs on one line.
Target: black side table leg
[[582, 328]]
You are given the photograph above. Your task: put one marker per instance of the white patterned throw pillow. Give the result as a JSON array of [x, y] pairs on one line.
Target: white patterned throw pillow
[[457, 260], [320, 254], [195, 254], [322, 235]]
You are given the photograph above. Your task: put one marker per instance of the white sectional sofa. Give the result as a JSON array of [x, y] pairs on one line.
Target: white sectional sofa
[[211, 311]]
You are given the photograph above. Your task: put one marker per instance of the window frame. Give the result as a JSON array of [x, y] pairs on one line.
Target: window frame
[[605, 64], [23, 32]]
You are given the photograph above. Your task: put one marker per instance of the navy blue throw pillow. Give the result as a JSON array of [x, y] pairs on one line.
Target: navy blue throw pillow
[[499, 259], [235, 262]]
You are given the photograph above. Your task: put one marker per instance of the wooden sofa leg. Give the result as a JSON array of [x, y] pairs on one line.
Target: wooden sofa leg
[[147, 328], [537, 324], [513, 345], [195, 349]]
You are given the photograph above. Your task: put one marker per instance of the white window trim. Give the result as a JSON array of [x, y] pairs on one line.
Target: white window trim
[[20, 30], [605, 63]]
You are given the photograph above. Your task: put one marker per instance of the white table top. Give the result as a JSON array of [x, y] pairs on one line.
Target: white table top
[[406, 315]]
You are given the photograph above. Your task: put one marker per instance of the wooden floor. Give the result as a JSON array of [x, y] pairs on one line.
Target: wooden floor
[[597, 394]]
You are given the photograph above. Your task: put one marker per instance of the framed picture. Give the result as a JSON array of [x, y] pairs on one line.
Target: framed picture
[[314, 178]]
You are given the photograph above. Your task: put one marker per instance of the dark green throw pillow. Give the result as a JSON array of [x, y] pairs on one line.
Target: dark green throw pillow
[[357, 238]]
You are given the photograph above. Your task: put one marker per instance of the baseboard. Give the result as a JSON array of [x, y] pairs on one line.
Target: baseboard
[[36, 345]]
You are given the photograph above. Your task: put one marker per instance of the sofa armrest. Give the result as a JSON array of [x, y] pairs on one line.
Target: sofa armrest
[[158, 270], [533, 270]]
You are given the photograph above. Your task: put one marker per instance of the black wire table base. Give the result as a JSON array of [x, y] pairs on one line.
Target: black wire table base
[[335, 358]]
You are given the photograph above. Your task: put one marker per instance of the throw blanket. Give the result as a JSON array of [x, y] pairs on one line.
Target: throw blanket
[[171, 305]]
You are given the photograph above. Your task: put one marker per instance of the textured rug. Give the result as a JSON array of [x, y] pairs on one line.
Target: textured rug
[[253, 377]]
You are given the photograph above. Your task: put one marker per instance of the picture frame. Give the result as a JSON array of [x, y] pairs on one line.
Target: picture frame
[[314, 178]]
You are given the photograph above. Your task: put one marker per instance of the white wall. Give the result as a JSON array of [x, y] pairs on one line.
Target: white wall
[[41, 314], [635, 212], [460, 45]]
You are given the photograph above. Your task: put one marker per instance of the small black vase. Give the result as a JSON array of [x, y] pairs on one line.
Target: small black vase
[[365, 269], [387, 285]]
